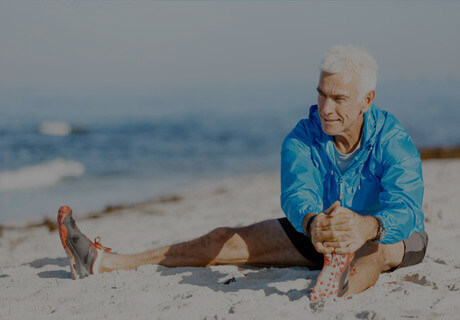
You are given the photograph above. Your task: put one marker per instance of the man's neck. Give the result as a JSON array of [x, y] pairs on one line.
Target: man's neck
[[348, 140]]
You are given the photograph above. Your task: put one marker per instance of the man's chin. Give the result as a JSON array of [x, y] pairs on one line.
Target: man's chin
[[330, 131]]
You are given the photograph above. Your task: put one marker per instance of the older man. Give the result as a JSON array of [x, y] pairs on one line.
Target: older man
[[351, 182]]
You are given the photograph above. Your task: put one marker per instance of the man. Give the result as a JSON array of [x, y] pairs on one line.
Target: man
[[351, 186]]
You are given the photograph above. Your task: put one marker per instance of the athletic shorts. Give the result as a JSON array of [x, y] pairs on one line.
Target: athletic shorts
[[414, 247]]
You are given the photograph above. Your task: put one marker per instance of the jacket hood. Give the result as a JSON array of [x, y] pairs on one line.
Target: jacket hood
[[374, 119]]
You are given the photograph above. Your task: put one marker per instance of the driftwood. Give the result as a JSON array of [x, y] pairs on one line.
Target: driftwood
[[440, 153]]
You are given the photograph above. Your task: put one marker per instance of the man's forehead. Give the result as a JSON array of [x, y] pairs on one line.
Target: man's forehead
[[338, 83], [333, 90]]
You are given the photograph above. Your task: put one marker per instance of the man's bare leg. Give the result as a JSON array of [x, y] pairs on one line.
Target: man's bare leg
[[260, 244], [371, 260]]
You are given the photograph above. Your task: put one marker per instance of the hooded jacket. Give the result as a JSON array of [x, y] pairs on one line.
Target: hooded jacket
[[384, 179]]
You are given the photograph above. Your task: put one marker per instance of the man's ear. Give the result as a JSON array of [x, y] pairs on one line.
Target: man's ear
[[368, 100]]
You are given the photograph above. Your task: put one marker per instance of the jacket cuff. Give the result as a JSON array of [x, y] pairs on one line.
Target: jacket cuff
[[297, 220]]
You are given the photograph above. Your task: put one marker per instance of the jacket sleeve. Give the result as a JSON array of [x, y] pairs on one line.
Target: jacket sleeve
[[402, 182], [301, 187]]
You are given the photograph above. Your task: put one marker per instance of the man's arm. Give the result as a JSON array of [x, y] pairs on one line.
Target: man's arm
[[301, 185], [402, 184]]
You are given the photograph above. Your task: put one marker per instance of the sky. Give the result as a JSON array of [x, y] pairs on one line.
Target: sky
[[67, 46]]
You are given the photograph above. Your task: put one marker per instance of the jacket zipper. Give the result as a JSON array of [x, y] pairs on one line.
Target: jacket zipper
[[341, 192], [340, 186]]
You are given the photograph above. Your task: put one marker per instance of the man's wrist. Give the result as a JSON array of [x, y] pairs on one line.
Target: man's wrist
[[377, 231], [307, 221]]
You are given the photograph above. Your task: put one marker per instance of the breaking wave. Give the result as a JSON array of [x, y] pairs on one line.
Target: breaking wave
[[41, 175], [55, 128]]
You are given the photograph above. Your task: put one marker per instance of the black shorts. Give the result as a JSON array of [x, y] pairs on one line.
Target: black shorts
[[414, 246]]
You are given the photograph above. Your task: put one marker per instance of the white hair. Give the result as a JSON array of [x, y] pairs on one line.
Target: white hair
[[358, 59]]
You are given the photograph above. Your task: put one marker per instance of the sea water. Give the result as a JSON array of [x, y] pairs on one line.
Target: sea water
[[110, 147]]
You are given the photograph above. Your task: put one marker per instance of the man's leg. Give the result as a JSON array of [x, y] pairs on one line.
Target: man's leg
[[371, 260], [260, 244]]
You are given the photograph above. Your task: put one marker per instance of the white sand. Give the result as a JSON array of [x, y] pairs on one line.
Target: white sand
[[35, 280]]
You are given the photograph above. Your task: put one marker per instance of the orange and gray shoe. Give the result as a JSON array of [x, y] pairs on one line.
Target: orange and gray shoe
[[333, 279], [84, 255]]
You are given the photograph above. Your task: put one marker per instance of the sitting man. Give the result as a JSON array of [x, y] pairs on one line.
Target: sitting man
[[351, 186]]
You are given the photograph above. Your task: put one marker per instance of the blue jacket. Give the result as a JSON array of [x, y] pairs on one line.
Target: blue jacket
[[383, 180]]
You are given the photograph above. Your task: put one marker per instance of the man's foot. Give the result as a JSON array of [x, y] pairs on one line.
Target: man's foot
[[84, 255], [333, 279]]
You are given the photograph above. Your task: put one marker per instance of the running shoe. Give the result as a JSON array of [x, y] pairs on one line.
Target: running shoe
[[84, 255], [333, 279]]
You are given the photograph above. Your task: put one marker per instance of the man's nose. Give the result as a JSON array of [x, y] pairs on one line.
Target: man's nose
[[328, 106]]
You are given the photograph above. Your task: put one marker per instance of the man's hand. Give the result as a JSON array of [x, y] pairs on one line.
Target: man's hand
[[341, 230]]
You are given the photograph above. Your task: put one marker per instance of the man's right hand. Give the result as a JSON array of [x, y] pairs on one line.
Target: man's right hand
[[316, 229]]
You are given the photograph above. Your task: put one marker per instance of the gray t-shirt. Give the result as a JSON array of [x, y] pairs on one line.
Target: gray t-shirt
[[343, 160]]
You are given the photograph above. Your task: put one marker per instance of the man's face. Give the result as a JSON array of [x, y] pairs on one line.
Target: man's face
[[340, 106]]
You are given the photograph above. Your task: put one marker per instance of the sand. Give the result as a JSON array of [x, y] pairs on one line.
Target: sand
[[35, 279]]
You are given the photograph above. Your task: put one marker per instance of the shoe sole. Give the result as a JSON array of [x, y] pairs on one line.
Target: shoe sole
[[330, 282], [64, 212]]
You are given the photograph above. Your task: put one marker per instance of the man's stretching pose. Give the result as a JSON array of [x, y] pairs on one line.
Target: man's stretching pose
[[351, 181]]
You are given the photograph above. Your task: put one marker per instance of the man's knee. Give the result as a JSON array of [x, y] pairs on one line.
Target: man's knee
[[222, 234], [232, 248], [244, 238], [248, 231], [387, 256], [393, 255], [373, 251], [258, 238]]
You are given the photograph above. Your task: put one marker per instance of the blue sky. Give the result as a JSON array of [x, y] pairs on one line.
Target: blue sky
[[71, 45]]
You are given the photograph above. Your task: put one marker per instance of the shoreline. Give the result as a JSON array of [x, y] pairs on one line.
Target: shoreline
[[51, 224], [430, 153]]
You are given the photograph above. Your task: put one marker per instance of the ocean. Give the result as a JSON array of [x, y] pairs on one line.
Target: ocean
[[94, 148]]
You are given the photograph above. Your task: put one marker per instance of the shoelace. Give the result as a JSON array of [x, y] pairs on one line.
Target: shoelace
[[97, 244]]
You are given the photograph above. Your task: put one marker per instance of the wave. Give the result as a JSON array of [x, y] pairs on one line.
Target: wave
[[41, 175], [59, 128], [55, 128]]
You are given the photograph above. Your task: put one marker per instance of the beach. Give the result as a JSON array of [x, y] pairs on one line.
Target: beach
[[159, 121], [35, 280]]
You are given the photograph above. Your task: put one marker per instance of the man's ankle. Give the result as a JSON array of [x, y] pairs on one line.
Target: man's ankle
[[104, 263]]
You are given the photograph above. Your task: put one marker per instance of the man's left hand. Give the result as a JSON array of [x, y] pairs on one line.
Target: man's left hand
[[345, 230]]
